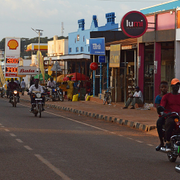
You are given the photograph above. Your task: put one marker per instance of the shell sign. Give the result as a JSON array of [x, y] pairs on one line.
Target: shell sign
[[12, 44]]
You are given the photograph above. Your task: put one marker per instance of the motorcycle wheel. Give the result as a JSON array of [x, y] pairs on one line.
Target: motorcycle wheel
[[62, 99], [109, 100], [171, 157], [40, 108], [15, 102], [35, 114], [177, 168], [104, 101]]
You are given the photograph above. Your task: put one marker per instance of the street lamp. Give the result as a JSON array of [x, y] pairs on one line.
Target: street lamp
[[39, 32]]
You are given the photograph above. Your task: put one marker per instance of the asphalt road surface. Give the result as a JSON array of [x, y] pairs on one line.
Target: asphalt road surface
[[62, 145]]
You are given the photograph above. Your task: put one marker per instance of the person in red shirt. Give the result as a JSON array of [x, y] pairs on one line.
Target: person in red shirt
[[171, 103]]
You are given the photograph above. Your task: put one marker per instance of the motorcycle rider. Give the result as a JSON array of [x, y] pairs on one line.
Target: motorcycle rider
[[161, 120], [51, 84], [171, 102], [36, 87], [11, 87]]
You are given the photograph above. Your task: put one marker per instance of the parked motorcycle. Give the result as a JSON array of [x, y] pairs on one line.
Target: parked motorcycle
[[38, 104], [107, 96], [175, 138], [57, 94], [2, 91], [14, 98]]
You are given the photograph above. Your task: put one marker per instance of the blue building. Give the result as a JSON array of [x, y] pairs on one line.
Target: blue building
[[78, 42]]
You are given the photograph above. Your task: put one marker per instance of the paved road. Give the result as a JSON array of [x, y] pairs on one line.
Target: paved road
[[63, 145]]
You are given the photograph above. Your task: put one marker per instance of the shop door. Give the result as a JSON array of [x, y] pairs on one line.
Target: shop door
[[149, 76]]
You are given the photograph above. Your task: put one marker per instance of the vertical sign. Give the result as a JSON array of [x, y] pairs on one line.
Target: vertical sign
[[115, 51], [12, 55]]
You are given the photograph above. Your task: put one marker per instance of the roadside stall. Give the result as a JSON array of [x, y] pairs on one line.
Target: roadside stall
[[81, 84]]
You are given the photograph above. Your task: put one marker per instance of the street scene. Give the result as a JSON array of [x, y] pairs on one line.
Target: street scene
[[62, 145], [96, 97]]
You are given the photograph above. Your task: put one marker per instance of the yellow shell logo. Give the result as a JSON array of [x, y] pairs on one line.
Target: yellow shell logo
[[12, 44]]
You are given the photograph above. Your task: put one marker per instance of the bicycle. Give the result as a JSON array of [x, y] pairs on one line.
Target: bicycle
[[107, 96]]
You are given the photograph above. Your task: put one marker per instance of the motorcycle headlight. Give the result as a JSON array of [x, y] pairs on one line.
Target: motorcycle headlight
[[55, 90], [15, 92], [38, 95], [176, 120]]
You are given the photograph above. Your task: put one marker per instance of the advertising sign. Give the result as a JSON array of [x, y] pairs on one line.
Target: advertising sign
[[134, 24], [27, 70], [12, 55], [97, 46], [101, 59], [115, 55]]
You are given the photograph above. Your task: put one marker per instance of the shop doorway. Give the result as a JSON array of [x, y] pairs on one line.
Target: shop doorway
[[149, 74]]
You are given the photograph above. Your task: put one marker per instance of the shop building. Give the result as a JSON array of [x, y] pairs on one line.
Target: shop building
[[79, 57], [158, 54]]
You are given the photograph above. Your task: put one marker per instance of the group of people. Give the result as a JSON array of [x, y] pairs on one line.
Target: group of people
[[169, 101]]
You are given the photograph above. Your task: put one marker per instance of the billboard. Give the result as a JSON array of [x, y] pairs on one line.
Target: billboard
[[12, 55], [115, 55]]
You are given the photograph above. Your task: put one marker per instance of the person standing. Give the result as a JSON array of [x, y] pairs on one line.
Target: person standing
[[31, 81], [23, 86], [70, 89], [161, 121]]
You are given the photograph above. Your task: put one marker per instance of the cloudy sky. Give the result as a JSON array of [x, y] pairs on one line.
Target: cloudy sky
[[18, 16]]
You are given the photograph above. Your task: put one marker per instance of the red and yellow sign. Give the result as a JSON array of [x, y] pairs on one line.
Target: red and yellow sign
[[12, 44]]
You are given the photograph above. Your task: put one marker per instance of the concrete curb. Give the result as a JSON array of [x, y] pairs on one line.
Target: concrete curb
[[124, 122]]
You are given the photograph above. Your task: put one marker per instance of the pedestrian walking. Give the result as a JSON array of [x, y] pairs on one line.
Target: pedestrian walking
[[23, 86]]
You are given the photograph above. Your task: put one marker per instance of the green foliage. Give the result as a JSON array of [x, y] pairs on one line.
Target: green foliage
[[26, 41]]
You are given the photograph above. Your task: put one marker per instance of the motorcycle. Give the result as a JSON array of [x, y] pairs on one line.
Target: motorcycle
[[107, 96], [14, 98], [38, 104], [2, 91], [175, 137], [57, 94]]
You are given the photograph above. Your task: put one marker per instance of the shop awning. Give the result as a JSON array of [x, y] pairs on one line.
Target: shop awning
[[69, 57], [129, 43], [35, 46]]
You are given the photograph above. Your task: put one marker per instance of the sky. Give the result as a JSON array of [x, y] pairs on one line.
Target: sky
[[17, 17]]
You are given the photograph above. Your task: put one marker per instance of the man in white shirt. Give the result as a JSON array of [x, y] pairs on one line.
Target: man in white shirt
[[51, 84], [36, 87], [23, 86], [133, 99]]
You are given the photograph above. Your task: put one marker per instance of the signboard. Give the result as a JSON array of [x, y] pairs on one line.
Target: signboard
[[56, 67], [27, 70], [12, 55], [134, 24], [115, 55], [101, 59], [97, 46]]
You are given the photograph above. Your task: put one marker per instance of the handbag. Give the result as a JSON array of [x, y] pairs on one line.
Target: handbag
[[67, 87]]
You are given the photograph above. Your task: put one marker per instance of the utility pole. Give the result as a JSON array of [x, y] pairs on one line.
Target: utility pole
[[39, 32], [62, 29]]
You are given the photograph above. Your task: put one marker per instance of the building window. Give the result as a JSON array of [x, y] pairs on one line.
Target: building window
[[77, 49], [70, 49], [82, 49], [78, 37], [88, 48]]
